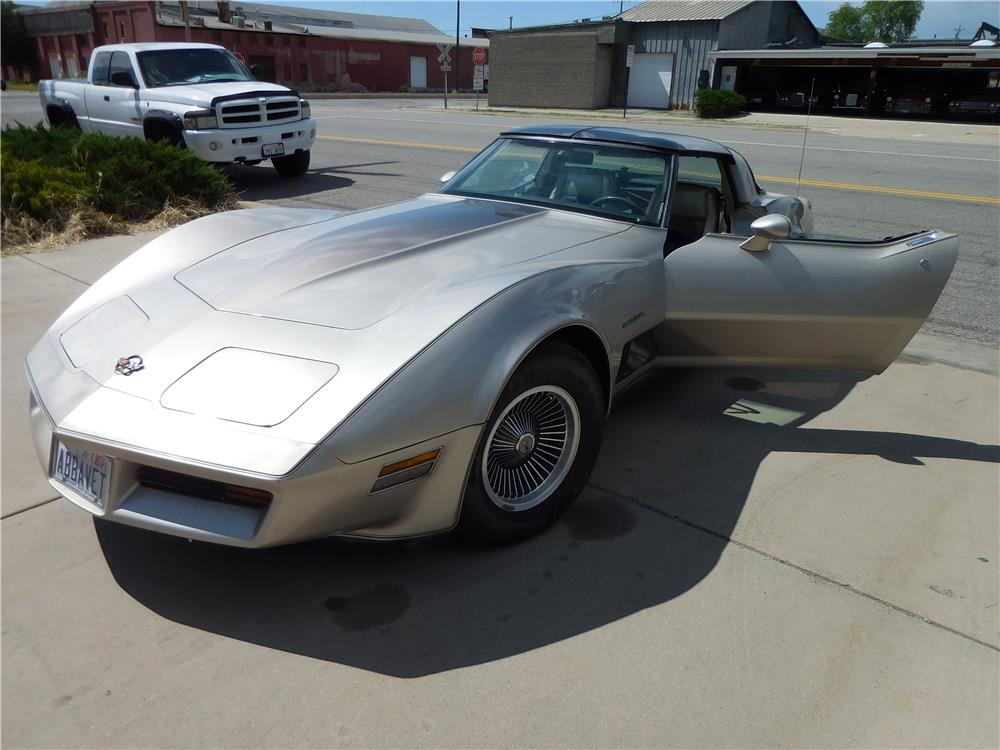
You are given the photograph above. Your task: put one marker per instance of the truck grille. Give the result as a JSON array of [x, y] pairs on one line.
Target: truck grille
[[241, 113]]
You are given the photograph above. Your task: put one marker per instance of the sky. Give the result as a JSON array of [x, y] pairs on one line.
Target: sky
[[941, 18]]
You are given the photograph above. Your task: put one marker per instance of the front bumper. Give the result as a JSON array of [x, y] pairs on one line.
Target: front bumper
[[320, 497], [227, 145]]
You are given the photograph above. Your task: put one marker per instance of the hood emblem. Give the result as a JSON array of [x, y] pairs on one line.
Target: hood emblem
[[128, 365]]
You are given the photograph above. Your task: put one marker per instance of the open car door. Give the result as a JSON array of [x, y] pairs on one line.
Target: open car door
[[800, 302]]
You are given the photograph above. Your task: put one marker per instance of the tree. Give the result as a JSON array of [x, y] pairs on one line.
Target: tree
[[17, 49], [875, 20], [847, 23]]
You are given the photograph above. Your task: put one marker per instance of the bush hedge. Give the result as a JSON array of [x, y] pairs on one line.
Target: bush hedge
[[51, 174], [714, 103]]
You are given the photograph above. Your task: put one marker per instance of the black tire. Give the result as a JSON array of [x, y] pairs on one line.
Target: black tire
[[293, 165], [482, 519], [61, 118], [167, 134]]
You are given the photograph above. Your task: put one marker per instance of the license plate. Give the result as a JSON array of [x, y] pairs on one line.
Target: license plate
[[274, 149], [86, 472]]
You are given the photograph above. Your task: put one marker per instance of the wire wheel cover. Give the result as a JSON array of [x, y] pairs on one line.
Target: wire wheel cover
[[531, 448]]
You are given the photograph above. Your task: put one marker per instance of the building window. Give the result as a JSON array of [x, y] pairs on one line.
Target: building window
[[107, 31], [303, 72], [121, 27]]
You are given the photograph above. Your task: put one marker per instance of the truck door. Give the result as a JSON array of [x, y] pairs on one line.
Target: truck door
[[113, 102]]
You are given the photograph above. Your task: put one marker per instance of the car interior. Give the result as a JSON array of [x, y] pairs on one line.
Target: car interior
[[621, 183]]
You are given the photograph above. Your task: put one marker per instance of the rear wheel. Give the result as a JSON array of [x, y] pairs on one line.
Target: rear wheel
[[293, 165], [63, 118], [537, 449]]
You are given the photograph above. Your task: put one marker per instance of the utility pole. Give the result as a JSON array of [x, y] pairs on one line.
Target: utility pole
[[510, 21], [186, 16], [458, 50]]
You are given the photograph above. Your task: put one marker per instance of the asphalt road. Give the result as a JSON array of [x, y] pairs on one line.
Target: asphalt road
[[376, 151]]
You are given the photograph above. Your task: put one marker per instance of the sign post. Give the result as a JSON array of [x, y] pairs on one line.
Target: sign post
[[629, 59], [445, 59], [477, 82], [479, 71]]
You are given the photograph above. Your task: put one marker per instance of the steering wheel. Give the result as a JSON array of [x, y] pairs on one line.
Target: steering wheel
[[628, 202]]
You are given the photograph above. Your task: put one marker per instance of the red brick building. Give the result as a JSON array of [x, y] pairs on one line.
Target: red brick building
[[301, 47]]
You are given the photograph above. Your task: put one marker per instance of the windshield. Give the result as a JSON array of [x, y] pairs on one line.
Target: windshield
[[609, 181], [177, 67]]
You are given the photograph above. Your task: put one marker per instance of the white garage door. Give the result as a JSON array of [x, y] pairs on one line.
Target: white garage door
[[649, 81]]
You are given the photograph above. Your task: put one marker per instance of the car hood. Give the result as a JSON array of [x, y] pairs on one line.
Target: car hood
[[356, 270], [281, 305], [203, 94]]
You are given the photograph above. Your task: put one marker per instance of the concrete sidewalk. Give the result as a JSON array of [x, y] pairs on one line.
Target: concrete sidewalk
[[763, 558], [863, 127]]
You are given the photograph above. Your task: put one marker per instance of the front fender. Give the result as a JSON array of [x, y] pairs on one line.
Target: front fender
[[455, 381], [171, 252]]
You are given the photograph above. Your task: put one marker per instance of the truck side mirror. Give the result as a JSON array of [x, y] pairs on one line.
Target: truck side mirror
[[765, 229], [123, 78], [255, 71]]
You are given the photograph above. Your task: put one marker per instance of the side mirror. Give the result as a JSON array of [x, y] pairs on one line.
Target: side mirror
[[447, 176], [123, 78], [255, 71], [765, 229]]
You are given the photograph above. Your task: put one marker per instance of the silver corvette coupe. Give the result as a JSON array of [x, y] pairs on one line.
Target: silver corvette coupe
[[265, 376]]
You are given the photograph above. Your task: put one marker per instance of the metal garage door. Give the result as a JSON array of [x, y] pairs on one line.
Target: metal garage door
[[649, 81]]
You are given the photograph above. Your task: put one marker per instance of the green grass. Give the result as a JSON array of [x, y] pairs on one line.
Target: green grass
[[21, 86]]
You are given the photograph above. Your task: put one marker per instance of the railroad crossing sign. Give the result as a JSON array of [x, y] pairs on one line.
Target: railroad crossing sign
[[445, 68], [444, 58], [479, 56]]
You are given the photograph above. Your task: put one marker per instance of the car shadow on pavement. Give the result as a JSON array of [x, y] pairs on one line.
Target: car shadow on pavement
[[261, 182], [679, 459]]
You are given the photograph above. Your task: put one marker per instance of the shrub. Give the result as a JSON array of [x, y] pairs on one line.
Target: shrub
[[53, 174], [46, 194], [714, 103]]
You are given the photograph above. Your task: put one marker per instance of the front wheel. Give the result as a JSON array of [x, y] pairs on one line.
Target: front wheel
[[537, 449], [293, 165]]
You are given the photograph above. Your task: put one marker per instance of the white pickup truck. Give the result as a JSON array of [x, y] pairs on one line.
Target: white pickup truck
[[194, 95]]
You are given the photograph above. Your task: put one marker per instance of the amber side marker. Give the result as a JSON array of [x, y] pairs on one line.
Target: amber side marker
[[406, 470]]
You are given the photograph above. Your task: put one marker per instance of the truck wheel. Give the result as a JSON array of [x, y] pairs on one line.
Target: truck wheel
[[165, 132], [536, 450], [61, 118], [293, 165]]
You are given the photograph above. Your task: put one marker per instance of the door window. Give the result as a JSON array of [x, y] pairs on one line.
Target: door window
[[700, 170], [120, 64], [101, 63]]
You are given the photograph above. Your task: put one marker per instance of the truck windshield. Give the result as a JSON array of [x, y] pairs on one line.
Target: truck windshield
[[178, 67]]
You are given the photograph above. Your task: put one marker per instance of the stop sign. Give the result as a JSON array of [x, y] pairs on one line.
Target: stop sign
[[479, 56]]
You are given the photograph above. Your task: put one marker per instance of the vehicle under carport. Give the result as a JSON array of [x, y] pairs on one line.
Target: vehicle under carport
[[911, 79]]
